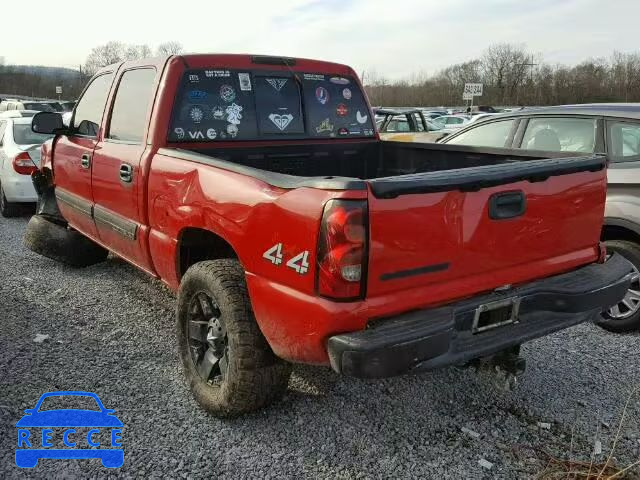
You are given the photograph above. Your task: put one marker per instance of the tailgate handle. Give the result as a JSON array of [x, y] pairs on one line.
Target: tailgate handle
[[507, 205]]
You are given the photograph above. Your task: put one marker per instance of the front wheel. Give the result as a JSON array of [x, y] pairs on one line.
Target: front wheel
[[227, 361], [625, 316]]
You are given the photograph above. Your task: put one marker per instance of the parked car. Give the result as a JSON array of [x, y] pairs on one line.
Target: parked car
[[406, 125], [312, 241], [432, 114], [479, 116], [18, 113], [9, 105], [452, 122], [19, 157], [608, 129], [68, 105], [57, 106]]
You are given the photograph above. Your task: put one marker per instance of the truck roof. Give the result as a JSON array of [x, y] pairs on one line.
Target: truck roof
[[241, 60], [622, 110]]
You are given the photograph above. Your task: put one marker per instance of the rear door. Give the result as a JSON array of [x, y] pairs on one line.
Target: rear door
[[73, 156], [451, 234], [117, 179]]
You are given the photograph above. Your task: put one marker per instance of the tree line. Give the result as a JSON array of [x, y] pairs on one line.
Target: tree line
[[510, 73], [41, 82], [513, 76]]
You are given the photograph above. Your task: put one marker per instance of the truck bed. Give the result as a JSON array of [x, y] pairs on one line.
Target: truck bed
[[340, 166]]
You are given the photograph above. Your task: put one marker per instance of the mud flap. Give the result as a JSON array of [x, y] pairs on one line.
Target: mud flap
[[47, 204]]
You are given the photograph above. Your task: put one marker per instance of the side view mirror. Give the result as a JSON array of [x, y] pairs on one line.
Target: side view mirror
[[47, 122]]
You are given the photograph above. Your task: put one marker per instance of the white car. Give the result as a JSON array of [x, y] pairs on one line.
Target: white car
[[19, 157], [451, 122]]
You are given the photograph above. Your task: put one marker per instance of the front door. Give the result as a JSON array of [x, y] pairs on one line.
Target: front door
[[72, 162], [117, 176]]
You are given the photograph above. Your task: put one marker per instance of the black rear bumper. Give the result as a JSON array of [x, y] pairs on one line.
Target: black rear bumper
[[433, 338]]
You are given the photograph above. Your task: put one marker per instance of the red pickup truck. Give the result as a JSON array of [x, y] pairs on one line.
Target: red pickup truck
[[258, 189]]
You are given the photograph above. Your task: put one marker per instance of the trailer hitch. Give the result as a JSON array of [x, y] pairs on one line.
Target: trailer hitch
[[501, 369]]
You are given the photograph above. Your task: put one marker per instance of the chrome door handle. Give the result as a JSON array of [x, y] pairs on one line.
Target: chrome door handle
[[85, 160], [126, 173]]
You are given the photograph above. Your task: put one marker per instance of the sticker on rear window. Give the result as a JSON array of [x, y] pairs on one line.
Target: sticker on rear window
[[245, 82], [322, 95], [281, 121], [325, 126], [227, 93], [339, 80], [233, 114], [214, 105], [277, 83], [217, 73]]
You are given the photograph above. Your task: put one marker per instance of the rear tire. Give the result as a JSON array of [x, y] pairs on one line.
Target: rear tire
[[7, 209], [60, 243], [244, 374], [624, 319]]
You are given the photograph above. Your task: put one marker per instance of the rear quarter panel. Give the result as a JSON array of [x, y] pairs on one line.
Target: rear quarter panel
[[251, 215]]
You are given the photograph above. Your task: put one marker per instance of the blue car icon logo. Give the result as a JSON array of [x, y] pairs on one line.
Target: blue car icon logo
[[60, 432]]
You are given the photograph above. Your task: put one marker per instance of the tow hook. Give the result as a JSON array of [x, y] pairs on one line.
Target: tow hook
[[502, 369]]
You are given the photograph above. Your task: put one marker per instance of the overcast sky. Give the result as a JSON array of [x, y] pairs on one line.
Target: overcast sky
[[393, 37]]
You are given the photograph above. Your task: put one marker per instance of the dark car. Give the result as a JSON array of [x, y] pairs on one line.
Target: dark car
[[57, 106], [8, 105], [610, 129]]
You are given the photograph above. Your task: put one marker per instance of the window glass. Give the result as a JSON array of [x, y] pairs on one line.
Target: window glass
[[41, 107], [492, 134], [214, 105], [131, 105], [3, 107], [88, 114], [278, 105], [335, 106], [560, 135], [398, 123], [418, 121], [223, 105], [624, 141], [23, 135], [434, 126]]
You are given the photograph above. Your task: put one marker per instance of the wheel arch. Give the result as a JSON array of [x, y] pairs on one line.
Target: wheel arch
[[620, 229], [196, 244]]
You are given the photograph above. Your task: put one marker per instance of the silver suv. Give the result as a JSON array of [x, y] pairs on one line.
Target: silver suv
[[612, 129]]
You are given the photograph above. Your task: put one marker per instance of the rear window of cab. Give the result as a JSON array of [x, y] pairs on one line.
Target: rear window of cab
[[230, 105]]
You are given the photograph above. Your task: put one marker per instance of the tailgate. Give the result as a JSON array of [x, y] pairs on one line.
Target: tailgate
[[460, 232]]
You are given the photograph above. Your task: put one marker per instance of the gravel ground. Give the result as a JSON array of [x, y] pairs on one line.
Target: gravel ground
[[111, 331]]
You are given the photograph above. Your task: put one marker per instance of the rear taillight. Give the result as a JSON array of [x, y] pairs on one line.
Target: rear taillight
[[23, 164], [342, 250]]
